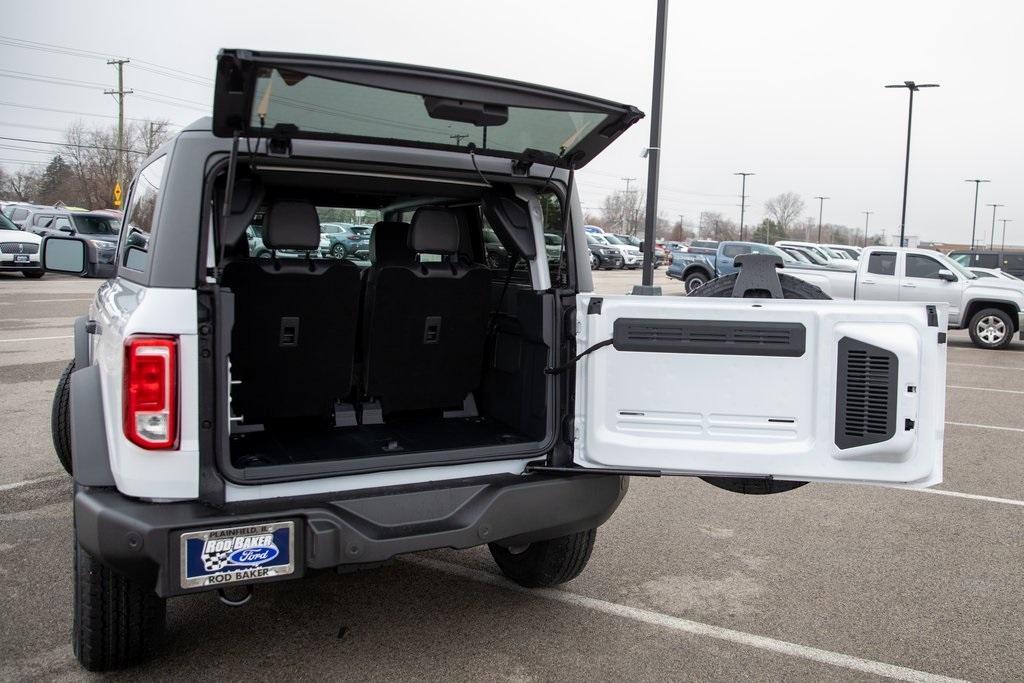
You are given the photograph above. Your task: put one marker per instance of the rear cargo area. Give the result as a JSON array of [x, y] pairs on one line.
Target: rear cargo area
[[431, 351]]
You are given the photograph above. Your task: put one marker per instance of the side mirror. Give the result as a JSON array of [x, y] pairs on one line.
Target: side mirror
[[66, 228], [947, 275], [64, 255]]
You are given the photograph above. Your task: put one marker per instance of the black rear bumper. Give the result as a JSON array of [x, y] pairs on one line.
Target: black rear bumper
[[143, 539]]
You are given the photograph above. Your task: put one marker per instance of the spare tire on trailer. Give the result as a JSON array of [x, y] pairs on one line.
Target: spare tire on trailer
[[792, 288]]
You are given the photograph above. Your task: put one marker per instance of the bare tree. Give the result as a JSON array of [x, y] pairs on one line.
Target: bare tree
[[715, 226], [22, 184], [784, 209], [623, 212]]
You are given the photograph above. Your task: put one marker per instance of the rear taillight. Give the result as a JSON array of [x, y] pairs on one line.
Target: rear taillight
[[151, 391], [354, 237]]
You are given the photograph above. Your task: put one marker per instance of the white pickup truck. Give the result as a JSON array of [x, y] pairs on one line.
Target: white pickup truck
[[990, 309]]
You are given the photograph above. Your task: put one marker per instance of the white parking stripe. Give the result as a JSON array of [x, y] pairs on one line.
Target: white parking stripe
[[977, 426], [998, 391], [28, 339], [29, 482], [686, 625], [991, 367], [973, 496], [43, 301]]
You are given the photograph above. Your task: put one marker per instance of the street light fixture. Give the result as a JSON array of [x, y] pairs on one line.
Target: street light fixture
[[1004, 221], [821, 208], [992, 238], [911, 87], [743, 199], [867, 215], [974, 224]]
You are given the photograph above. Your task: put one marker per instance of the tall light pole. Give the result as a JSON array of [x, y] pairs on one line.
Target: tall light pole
[[974, 224], [654, 150], [911, 87], [1004, 221], [867, 214], [743, 199], [821, 208], [992, 238]]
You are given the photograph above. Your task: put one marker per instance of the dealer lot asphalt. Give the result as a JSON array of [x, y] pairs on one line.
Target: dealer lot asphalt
[[687, 581]]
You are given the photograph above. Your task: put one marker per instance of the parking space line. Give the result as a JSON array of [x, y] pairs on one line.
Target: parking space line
[[991, 367], [973, 496], [29, 482], [998, 391], [978, 426], [28, 339], [43, 301], [696, 628]]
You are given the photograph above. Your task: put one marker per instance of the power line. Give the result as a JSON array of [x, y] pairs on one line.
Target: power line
[[25, 161], [77, 113], [70, 144]]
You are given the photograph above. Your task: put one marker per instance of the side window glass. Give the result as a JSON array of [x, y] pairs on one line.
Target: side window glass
[[62, 223], [987, 260], [555, 244], [923, 267], [1013, 262], [734, 250], [882, 263], [140, 215], [19, 214]]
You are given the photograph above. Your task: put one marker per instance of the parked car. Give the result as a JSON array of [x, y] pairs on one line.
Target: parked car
[[602, 254], [347, 240], [631, 256], [807, 255], [850, 250], [1008, 261], [634, 241], [993, 272], [19, 250], [228, 423], [99, 229], [697, 269], [20, 213], [832, 259]]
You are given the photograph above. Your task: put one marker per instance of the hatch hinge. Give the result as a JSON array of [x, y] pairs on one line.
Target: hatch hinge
[[280, 142]]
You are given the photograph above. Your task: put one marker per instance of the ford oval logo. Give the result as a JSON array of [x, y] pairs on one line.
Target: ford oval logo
[[254, 556]]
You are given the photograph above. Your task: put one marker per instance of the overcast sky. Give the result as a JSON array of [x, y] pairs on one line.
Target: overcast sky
[[790, 90]]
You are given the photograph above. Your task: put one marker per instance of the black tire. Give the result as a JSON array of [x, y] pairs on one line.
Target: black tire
[[991, 329], [695, 281], [546, 563], [33, 274], [792, 288], [118, 621], [60, 418]]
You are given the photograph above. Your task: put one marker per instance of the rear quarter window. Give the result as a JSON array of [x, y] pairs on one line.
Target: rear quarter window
[[140, 217], [882, 263]]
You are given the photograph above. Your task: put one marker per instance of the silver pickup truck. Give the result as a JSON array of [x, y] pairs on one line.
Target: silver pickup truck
[[990, 309]]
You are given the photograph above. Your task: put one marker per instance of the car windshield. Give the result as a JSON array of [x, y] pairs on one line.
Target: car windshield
[[96, 225], [362, 229], [552, 240], [632, 240], [612, 239], [6, 224], [591, 239]]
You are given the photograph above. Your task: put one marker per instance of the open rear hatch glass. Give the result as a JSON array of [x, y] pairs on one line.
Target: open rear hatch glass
[[300, 96]]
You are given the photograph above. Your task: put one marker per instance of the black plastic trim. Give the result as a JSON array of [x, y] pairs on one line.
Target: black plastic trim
[[88, 429], [723, 337], [82, 359], [141, 539], [933, 316]]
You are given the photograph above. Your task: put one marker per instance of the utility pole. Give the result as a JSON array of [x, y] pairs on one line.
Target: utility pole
[[974, 224], [821, 208], [992, 237], [458, 138], [1004, 221], [120, 93], [743, 199], [681, 227], [867, 215], [911, 87], [624, 219]]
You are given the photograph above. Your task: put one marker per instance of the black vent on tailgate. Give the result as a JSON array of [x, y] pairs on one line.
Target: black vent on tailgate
[[865, 394], [709, 336]]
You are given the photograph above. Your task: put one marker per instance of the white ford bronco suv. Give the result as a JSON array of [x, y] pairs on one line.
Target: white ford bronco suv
[[232, 419]]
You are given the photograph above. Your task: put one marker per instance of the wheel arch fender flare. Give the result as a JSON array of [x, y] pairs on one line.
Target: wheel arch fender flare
[[975, 305], [695, 268], [88, 429], [82, 352]]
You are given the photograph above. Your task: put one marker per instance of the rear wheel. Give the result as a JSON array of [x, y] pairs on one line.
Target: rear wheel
[[696, 280], [338, 251], [545, 563], [60, 418], [792, 288], [991, 328], [118, 621]]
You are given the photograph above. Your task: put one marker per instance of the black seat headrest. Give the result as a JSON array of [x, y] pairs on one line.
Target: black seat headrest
[[389, 244], [292, 225], [434, 230]]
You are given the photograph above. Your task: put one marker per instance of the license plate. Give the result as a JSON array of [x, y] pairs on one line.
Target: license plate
[[217, 557], [21, 258]]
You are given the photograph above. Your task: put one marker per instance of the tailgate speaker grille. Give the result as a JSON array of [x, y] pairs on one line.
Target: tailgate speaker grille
[[709, 337], [865, 394]]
